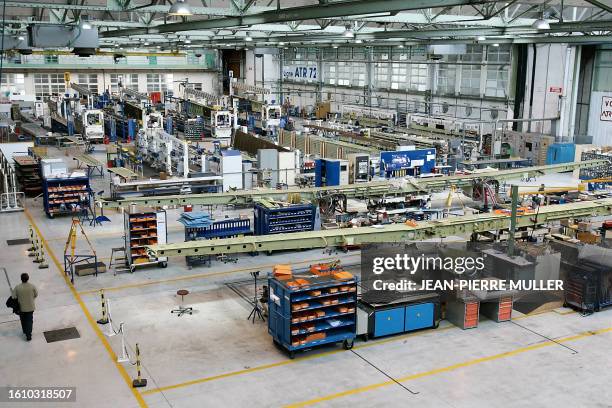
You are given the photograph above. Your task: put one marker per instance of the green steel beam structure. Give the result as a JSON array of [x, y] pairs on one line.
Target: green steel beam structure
[[317, 11], [456, 226], [361, 190]]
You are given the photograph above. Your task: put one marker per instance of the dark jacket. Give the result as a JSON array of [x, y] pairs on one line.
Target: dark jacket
[[13, 303]]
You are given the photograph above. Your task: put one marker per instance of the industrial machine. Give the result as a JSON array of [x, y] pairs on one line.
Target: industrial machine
[[359, 168], [331, 172]]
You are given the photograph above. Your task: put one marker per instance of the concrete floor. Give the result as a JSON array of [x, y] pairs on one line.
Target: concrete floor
[[216, 357]]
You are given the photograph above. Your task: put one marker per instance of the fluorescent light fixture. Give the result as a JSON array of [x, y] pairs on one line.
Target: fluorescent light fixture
[[180, 8], [335, 46], [400, 46], [281, 43], [348, 33], [187, 41], [358, 41], [146, 43], [541, 24], [496, 45], [21, 38], [481, 38], [248, 37], [116, 45], [85, 25]]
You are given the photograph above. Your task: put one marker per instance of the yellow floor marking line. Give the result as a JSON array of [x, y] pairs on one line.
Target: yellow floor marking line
[[199, 275], [447, 368], [309, 357], [90, 319], [285, 362]]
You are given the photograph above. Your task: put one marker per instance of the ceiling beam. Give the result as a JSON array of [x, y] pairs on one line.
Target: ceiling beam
[[602, 4], [327, 10], [144, 7]]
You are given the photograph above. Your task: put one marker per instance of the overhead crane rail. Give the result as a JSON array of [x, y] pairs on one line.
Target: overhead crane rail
[[463, 225], [362, 190]]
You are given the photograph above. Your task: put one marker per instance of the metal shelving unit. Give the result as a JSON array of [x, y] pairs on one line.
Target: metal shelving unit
[[312, 311], [66, 195], [144, 227]]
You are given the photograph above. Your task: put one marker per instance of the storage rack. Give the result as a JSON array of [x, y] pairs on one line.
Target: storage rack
[[600, 172], [144, 227], [27, 171], [276, 219], [587, 287], [226, 228], [66, 195], [315, 310]]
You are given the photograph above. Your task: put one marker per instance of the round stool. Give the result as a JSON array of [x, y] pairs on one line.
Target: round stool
[[182, 309]]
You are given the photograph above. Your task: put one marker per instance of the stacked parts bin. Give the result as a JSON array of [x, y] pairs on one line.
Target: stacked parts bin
[[144, 227], [278, 219], [312, 311], [66, 195], [199, 225]]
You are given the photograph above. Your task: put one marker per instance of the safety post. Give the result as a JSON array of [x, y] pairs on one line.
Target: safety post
[[42, 264], [124, 357], [37, 258], [31, 231], [138, 381], [104, 318], [32, 249]]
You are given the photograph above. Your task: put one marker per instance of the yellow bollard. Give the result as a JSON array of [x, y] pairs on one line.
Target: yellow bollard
[[43, 263], [37, 252], [32, 247], [104, 319], [138, 382]]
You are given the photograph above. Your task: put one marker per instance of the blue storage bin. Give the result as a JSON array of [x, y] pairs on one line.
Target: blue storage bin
[[561, 153]]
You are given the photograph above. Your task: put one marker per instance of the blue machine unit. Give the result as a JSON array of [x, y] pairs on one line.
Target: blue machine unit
[[279, 220], [401, 316], [561, 153], [118, 128], [331, 172], [322, 311], [202, 227], [407, 162]]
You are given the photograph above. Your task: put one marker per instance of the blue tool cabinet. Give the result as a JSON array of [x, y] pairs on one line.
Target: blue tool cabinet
[[278, 220], [327, 312], [401, 316]]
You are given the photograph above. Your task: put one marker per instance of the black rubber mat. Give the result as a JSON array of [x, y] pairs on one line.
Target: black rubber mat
[[62, 334], [21, 241]]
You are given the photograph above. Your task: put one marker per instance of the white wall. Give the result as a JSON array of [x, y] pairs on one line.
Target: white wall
[[207, 79], [549, 73], [601, 130]]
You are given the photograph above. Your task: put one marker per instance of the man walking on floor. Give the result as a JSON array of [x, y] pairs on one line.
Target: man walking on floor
[[25, 293]]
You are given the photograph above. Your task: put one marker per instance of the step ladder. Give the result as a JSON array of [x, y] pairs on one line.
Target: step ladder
[[118, 260]]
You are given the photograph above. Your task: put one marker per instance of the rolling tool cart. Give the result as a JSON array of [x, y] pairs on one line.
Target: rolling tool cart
[[66, 195], [144, 227], [312, 311]]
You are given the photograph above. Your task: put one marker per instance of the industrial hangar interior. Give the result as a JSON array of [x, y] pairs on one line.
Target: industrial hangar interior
[[296, 203]]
